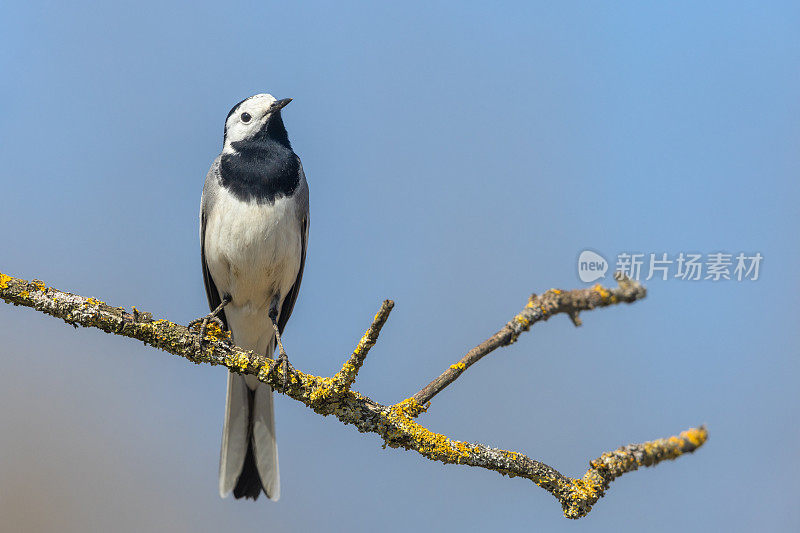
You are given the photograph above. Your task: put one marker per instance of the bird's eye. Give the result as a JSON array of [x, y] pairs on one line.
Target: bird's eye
[[246, 117]]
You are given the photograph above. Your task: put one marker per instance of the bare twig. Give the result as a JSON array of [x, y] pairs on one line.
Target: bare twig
[[539, 308], [328, 396]]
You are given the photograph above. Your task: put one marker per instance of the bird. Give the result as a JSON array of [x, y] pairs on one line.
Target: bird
[[254, 219]]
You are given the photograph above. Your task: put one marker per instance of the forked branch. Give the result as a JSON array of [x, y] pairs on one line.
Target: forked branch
[[394, 423], [539, 308]]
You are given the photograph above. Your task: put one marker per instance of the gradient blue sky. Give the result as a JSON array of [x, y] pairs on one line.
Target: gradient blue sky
[[460, 156]]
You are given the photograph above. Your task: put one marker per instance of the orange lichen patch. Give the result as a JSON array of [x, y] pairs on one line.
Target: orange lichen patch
[[214, 332], [263, 372], [364, 342], [323, 390], [345, 377], [522, 320], [432, 445], [238, 361], [92, 301], [24, 294], [464, 449], [348, 369], [583, 490], [4, 280], [410, 407], [458, 366], [39, 284], [697, 436], [602, 291], [579, 497], [511, 455]]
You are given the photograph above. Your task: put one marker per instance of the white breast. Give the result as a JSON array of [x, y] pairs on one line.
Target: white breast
[[253, 253]]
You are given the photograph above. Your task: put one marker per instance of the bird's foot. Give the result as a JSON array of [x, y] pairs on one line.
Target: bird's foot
[[282, 359], [286, 368], [204, 321]]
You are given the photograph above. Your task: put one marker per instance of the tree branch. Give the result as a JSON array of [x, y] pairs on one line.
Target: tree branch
[[393, 423], [539, 308], [344, 378]]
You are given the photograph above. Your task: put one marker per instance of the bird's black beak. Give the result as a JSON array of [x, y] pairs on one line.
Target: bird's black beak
[[280, 104]]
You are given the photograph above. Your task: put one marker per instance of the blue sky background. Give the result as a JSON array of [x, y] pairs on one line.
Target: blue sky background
[[460, 156]]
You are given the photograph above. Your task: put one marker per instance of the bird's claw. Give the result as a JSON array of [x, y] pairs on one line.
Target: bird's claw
[[204, 321], [282, 359], [201, 331], [286, 368], [213, 316]]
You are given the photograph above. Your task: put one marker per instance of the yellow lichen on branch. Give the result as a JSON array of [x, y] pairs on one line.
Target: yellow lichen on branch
[[345, 378], [609, 466], [395, 424]]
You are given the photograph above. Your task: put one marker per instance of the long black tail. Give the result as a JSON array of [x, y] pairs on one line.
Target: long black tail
[[249, 483]]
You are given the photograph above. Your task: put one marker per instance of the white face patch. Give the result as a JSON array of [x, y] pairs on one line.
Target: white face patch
[[247, 120]]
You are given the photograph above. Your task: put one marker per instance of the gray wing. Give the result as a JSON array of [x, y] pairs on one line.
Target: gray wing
[[303, 219], [209, 196]]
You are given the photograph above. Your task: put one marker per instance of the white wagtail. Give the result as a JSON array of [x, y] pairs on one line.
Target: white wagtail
[[253, 236]]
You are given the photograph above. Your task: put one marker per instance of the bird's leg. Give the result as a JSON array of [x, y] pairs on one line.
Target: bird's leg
[[282, 359], [210, 317]]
